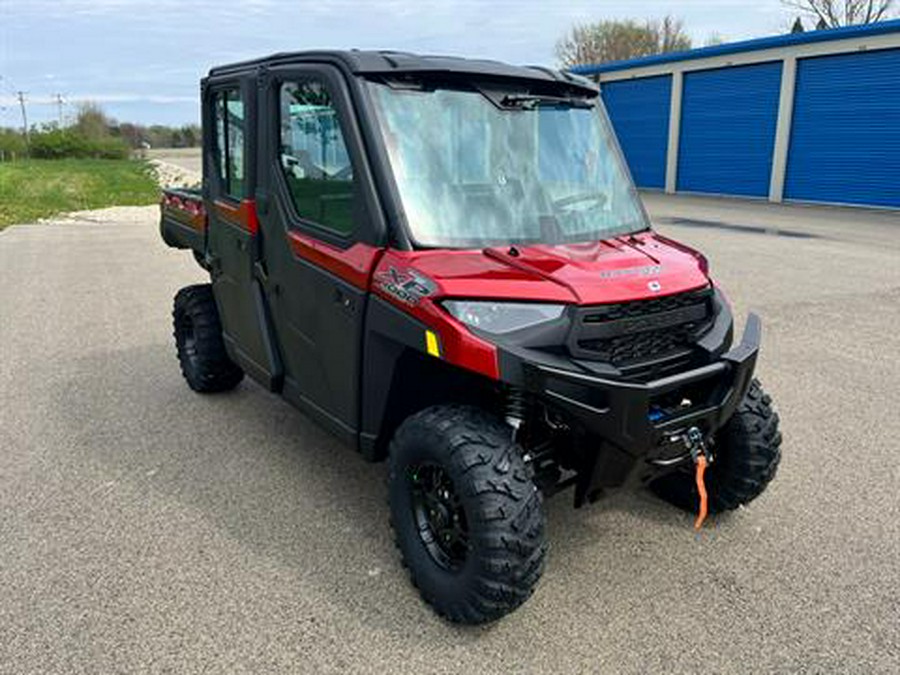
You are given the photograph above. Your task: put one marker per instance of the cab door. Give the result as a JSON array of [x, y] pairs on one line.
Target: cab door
[[233, 229], [321, 232]]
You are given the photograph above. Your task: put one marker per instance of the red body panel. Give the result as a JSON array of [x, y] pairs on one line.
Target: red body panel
[[617, 270], [354, 265], [241, 215], [457, 344]]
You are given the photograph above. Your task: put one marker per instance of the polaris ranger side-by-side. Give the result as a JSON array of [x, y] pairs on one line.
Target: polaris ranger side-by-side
[[445, 263]]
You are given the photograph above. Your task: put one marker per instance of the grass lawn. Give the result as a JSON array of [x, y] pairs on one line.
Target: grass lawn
[[38, 188]]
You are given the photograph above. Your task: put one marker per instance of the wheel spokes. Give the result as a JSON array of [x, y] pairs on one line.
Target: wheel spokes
[[440, 518]]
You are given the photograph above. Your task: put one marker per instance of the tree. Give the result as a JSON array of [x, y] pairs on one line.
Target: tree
[[91, 122], [836, 13], [190, 135], [618, 40], [131, 133], [669, 34]]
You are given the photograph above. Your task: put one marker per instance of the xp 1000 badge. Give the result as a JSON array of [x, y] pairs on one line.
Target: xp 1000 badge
[[406, 285]]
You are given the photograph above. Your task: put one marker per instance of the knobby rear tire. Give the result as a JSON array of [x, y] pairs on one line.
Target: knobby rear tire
[[198, 338]]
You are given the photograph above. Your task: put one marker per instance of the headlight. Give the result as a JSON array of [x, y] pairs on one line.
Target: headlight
[[502, 317]]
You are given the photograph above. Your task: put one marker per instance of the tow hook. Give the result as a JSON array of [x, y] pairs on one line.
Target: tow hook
[[702, 458]]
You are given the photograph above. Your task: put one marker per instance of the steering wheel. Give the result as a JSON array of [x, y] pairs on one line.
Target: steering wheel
[[566, 203]]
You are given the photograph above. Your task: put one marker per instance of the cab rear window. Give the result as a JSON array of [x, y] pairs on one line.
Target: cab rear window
[[229, 115]]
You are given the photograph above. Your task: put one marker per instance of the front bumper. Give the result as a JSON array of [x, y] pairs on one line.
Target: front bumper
[[634, 429]]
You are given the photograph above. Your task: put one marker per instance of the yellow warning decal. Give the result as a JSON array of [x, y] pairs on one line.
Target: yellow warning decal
[[431, 344]]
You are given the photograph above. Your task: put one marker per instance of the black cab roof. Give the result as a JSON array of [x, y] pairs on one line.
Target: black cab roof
[[360, 62]]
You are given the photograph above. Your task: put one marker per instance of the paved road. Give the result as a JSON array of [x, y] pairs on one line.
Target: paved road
[[144, 528], [186, 158]]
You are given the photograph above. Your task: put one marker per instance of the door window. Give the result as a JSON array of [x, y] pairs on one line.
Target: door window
[[229, 112], [314, 157]]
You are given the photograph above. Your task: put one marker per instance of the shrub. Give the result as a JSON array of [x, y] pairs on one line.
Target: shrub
[[12, 145], [60, 143]]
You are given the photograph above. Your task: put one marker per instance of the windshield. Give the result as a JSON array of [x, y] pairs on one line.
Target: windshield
[[475, 173]]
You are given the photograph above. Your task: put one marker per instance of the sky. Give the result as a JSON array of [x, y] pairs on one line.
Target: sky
[[142, 60]]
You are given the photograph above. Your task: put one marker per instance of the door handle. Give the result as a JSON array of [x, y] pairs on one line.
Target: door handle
[[345, 301]]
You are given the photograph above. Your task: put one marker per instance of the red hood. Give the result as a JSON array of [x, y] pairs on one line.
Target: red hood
[[615, 270]]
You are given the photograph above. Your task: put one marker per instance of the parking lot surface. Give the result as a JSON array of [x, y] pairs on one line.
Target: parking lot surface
[[144, 528]]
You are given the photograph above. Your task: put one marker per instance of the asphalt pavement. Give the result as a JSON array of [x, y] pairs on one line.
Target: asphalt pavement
[[145, 528]]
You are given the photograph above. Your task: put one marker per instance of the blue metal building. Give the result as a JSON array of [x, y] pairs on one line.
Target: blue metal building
[[811, 117]]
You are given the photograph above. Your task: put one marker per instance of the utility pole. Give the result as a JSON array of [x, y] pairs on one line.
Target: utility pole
[[59, 108], [21, 97]]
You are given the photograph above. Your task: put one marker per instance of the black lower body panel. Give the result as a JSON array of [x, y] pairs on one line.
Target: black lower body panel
[[636, 428]]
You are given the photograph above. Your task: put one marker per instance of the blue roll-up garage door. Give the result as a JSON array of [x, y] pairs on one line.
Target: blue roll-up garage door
[[639, 110], [845, 135], [728, 120]]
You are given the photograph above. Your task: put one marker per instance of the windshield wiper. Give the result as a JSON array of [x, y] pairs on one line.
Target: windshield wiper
[[504, 99], [533, 100]]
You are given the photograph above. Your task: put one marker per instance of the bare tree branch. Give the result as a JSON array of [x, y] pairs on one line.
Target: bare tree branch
[[835, 13]]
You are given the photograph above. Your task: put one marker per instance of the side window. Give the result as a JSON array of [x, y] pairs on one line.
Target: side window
[[229, 111], [314, 157]]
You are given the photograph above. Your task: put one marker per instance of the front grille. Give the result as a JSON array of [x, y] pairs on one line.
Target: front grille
[[627, 310], [631, 333], [643, 346]]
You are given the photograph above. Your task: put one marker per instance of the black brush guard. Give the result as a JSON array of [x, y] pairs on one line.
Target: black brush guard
[[634, 426]]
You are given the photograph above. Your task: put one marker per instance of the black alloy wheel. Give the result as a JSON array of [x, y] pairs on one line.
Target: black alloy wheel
[[440, 517]]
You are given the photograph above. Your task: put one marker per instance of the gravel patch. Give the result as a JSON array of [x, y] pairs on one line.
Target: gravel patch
[[120, 215], [172, 175]]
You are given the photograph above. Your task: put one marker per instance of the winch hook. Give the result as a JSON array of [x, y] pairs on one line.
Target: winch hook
[[702, 458]]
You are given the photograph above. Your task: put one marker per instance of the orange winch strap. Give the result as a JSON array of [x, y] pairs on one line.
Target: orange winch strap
[[701, 489]]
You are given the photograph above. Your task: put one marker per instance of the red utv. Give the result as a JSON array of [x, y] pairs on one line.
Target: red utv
[[445, 263]]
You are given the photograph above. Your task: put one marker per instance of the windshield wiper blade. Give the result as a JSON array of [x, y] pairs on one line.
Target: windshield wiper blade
[[533, 100], [513, 98]]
